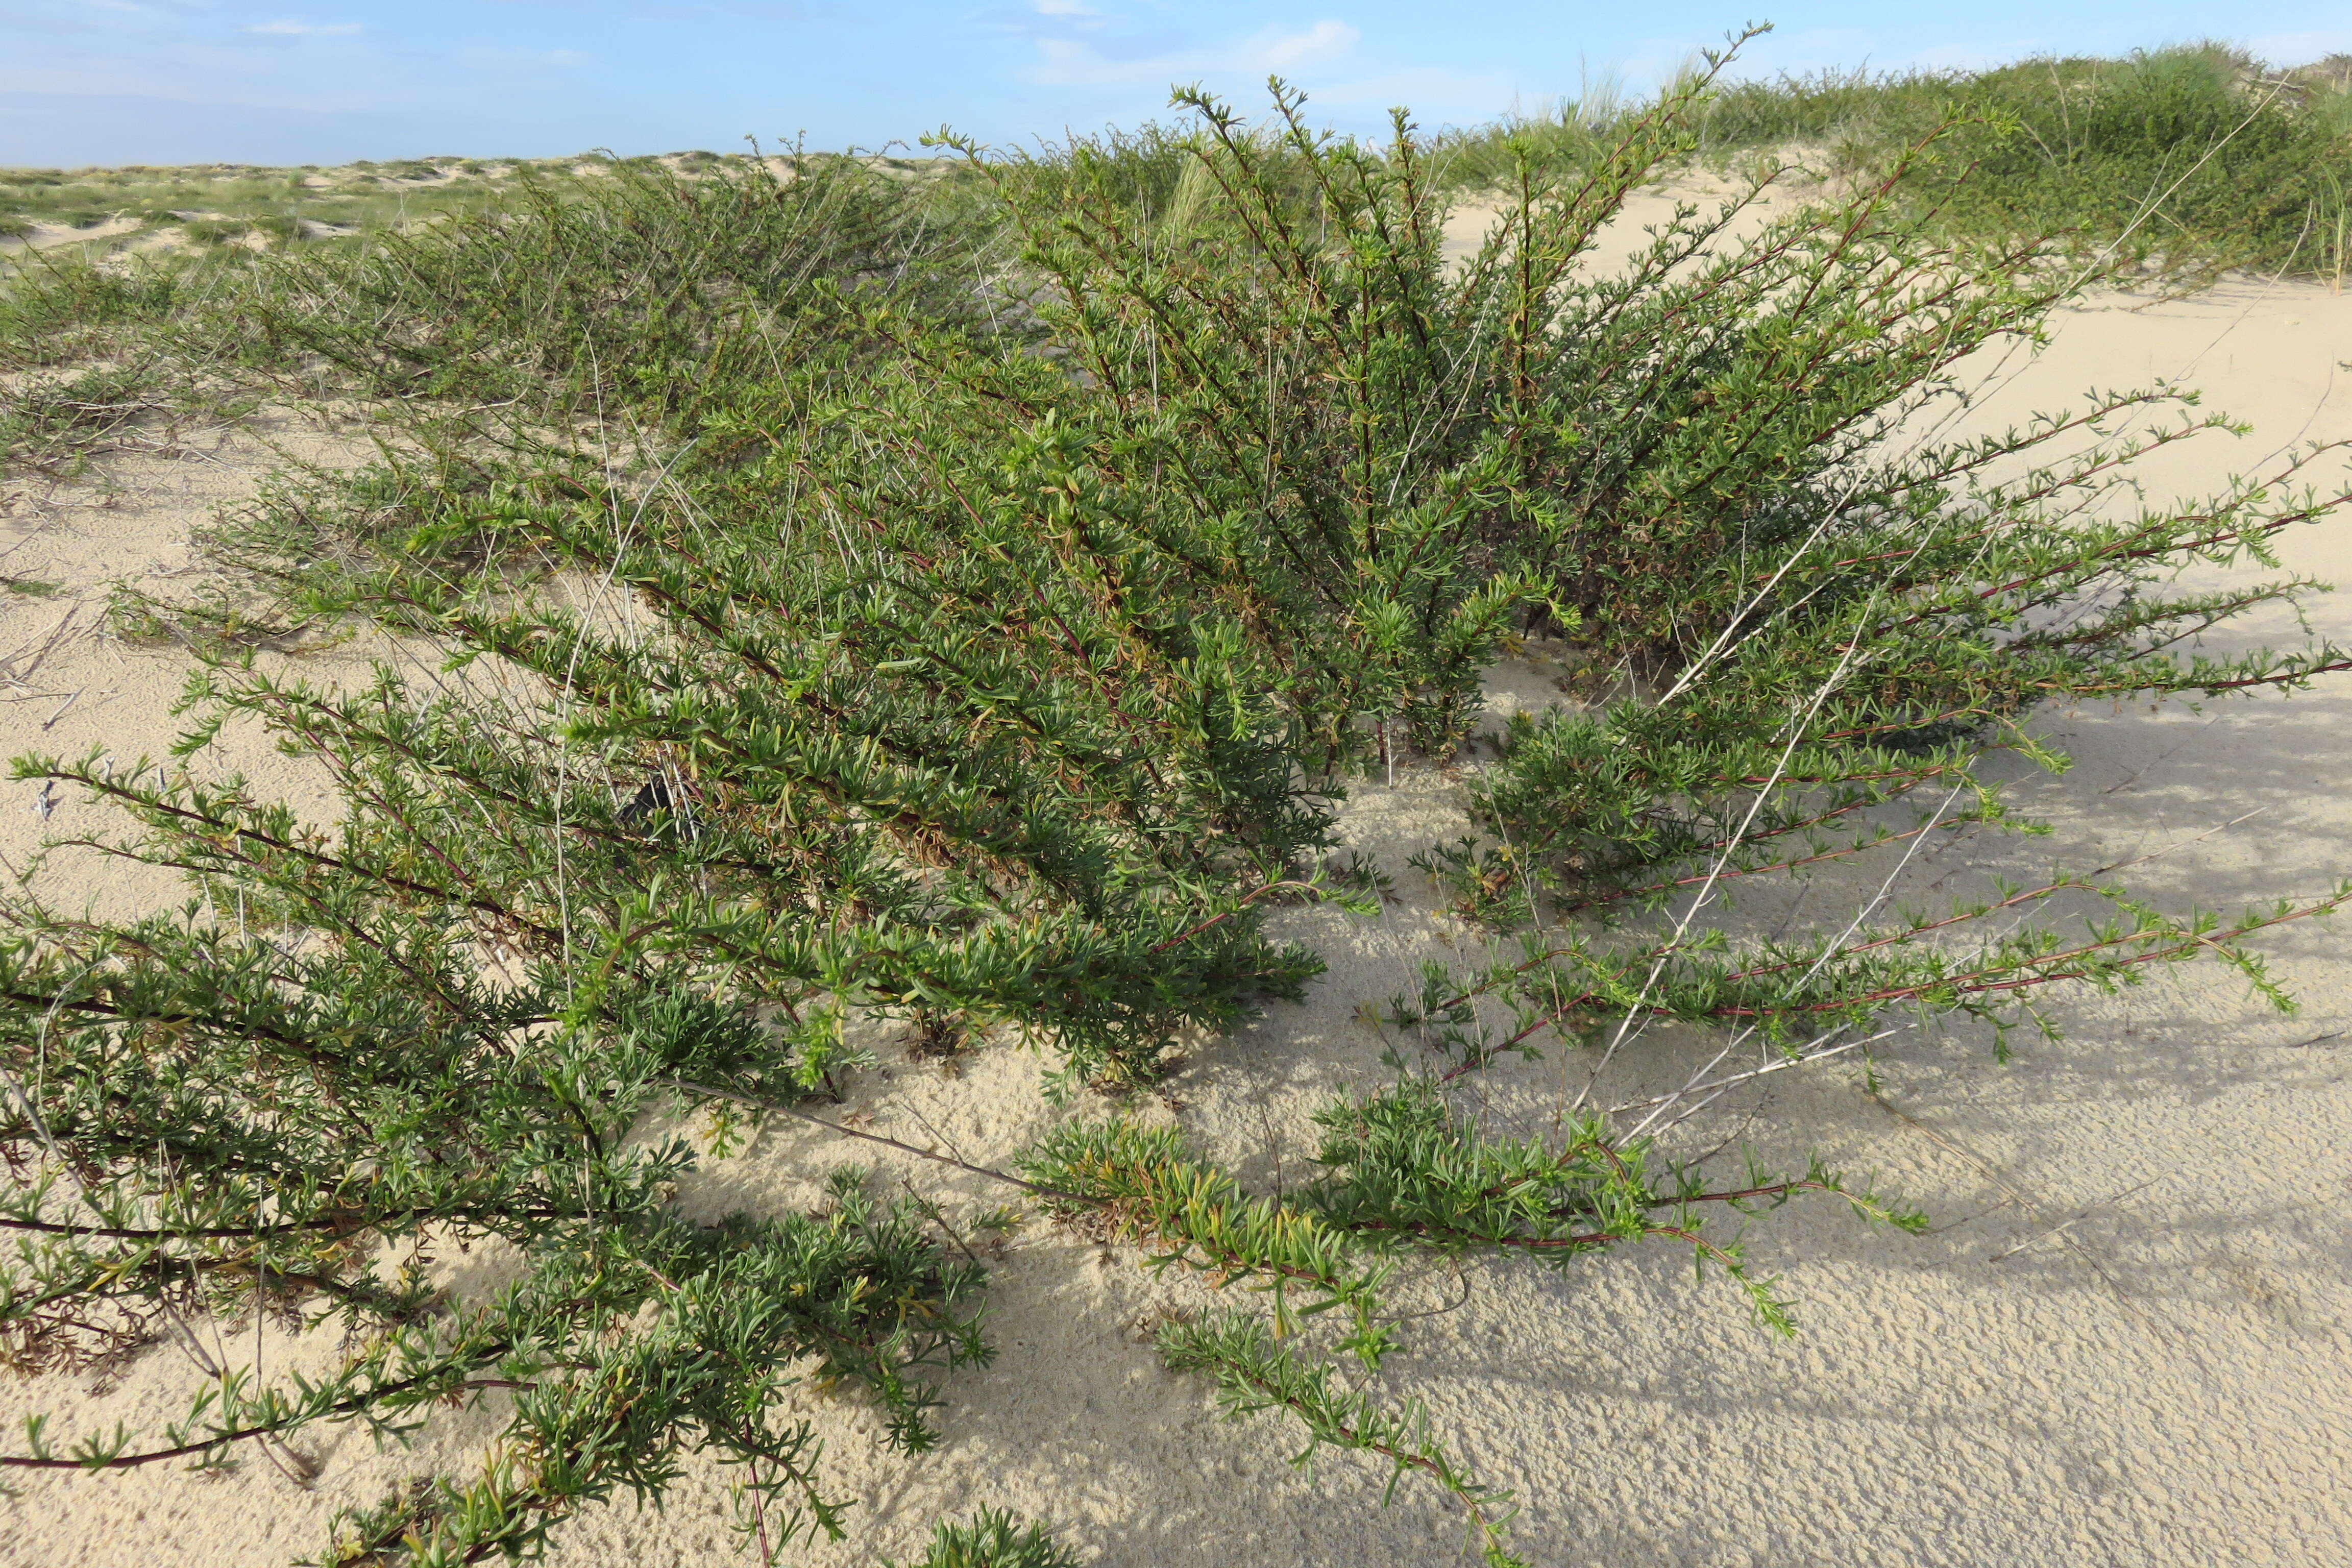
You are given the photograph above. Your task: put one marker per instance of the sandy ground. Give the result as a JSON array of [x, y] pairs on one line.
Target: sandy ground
[[49, 235], [2124, 1342]]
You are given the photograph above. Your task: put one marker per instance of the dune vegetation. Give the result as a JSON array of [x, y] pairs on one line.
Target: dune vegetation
[[2189, 160], [1022, 556], [2208, 157]]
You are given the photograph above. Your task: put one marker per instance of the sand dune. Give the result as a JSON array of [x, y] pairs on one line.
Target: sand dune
[[2126, 1339], [49, 235]]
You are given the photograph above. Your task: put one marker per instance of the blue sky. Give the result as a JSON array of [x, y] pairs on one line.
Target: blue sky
[[295, 81]]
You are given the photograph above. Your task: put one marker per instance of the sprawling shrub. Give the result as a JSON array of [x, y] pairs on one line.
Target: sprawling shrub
[[978, 634]]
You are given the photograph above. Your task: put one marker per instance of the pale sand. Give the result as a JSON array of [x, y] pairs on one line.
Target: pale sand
[[49, 235], [2125, 1341]]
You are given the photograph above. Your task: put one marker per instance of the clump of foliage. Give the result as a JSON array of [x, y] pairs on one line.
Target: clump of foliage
[[54, 424], [638, 293], [2189, 159], [66, 310], [994, 1540], [963, 603], [91, 368]]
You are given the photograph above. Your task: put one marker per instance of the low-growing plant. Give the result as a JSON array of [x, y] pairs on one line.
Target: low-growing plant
[[215, 231], [963, 604], [994, 1540], [54, 424], [66, 309]]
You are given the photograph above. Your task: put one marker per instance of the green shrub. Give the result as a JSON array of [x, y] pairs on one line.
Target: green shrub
[[215, 231], [54, 424], [1020, 566], [636, 292], [61, 307]]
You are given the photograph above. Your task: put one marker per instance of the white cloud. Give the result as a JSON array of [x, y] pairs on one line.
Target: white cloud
[[1069, 62], [1321, 41], [305, 29], [1065, 8]]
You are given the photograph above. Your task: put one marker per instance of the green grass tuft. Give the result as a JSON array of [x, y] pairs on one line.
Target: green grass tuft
[[2191, 159]]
